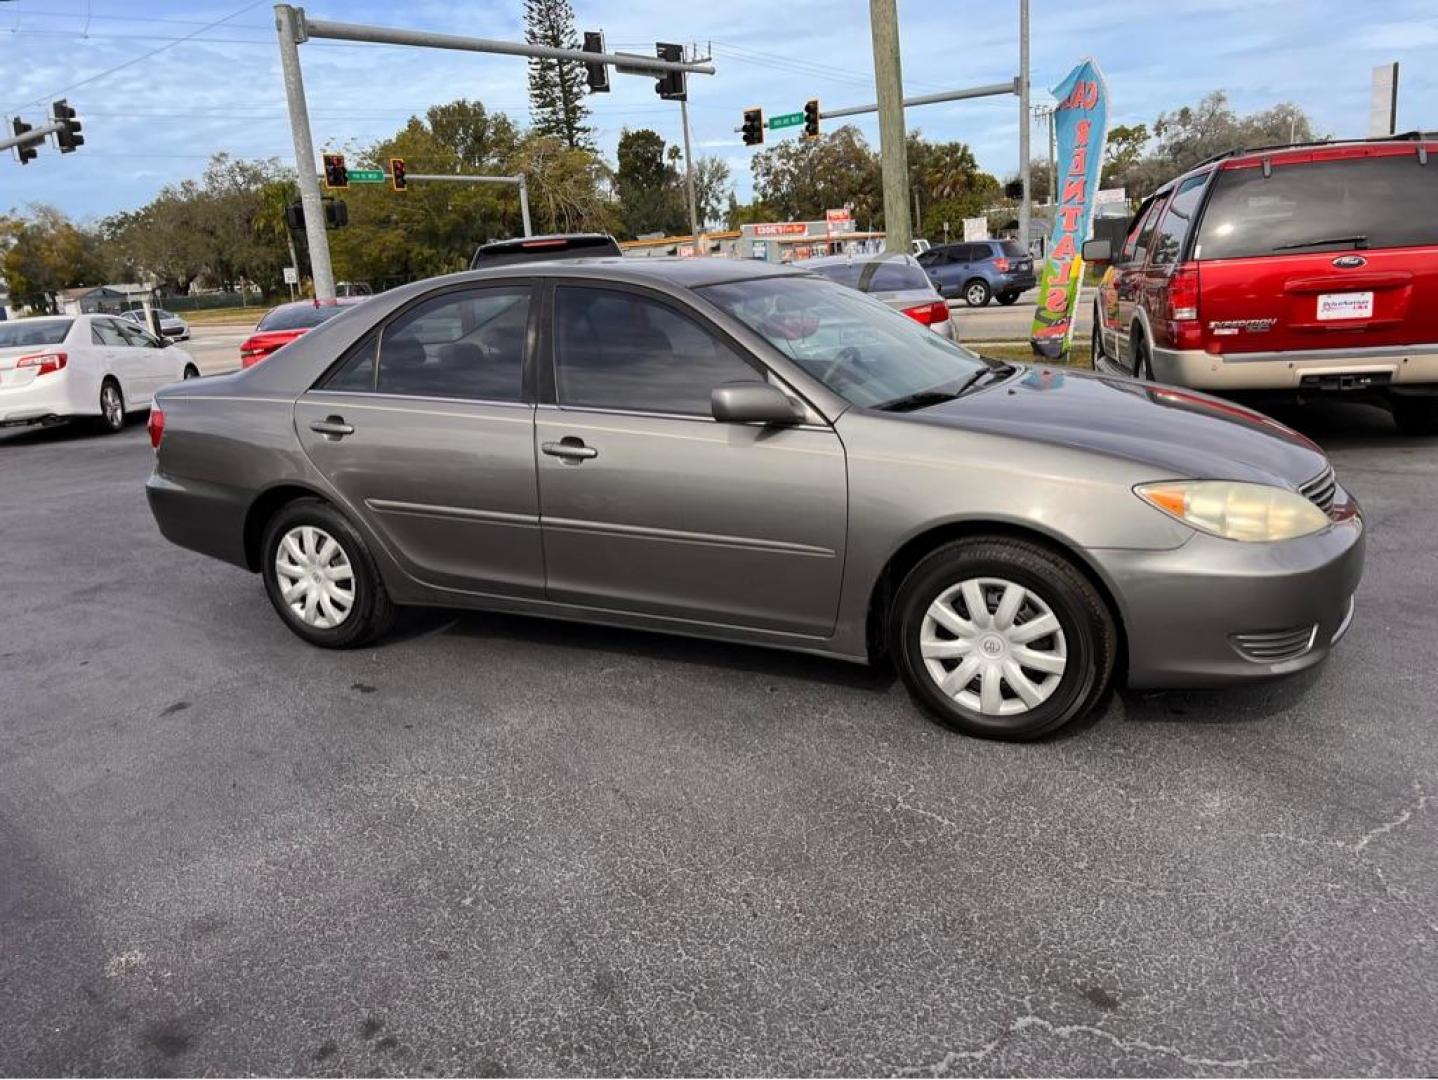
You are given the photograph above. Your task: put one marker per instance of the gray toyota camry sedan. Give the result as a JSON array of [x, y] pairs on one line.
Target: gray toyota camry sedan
[[754, 453]]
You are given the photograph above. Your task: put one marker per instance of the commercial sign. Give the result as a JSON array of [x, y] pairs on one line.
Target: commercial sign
[[781, 228], [840, 216], [1081, 127], [976, 228]]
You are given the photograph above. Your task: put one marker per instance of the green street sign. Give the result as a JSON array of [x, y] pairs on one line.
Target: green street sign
[[370, 176], [791, 119]]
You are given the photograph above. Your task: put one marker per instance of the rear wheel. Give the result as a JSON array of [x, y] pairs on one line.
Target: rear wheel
[[191, 372], [321, 578], [1002, 638], [977, 292], [1142, 365], [1415, 415], [112, 408], [1007, 298]]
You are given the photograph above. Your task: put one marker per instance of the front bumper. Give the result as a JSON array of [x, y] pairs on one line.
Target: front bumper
[[1388, 365], [1188, 611]]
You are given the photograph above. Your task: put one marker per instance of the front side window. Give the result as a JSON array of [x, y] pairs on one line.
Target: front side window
[[859, 348], [466, 344], [621, 350]]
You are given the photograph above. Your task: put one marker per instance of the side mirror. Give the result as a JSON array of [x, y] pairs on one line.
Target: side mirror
[[754, 402], [1097, 251]]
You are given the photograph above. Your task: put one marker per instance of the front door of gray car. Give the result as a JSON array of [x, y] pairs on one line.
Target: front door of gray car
[[650, 505], [425, 434]]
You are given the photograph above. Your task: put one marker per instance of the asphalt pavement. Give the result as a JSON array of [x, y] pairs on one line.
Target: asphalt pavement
[[504, 846], [995, 322]]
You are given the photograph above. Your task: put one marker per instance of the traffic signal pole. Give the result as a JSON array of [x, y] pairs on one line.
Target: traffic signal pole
[[893, 145], [1025, 123], [290, 26], [294, 29], [461, 178]]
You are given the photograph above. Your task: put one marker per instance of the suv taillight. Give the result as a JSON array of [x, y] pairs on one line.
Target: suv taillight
[[1001, 265], [44, 362], [929, 314], [1183, 307], [156, 426]]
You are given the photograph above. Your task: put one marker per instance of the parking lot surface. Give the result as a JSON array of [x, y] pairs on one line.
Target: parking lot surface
[[502, 846]]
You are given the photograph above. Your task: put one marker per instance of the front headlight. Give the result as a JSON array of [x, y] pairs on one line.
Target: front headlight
[[1236, 511]]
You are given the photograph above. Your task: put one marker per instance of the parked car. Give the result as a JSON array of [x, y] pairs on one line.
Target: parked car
[[898, 280], [750, 452], [980, 270], [171, 325], [1307, 270], [282, 324], [98, 367], [535, 248]]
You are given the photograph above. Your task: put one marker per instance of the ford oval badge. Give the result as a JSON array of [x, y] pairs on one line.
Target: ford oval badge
[[1350, 262]]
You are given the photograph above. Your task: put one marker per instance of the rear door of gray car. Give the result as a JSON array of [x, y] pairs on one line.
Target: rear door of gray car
[[426, 431], [650, 505]]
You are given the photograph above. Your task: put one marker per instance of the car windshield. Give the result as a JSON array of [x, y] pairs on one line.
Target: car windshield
[[1346, 204], [875, 275], [27, 332], [299, 317], [865, 352]]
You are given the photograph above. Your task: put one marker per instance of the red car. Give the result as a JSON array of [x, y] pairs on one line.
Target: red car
[[288, 321], [1306, 269]]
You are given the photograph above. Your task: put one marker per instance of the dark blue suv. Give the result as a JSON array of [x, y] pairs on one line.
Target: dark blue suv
[[980, 270]]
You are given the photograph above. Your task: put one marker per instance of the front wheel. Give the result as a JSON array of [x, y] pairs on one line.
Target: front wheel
[[1415, 415], [1002, 638], [977, 293], [1008, 298], [321, 579]]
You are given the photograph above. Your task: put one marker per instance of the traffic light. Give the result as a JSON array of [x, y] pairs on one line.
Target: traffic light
[[672, 85], [26, 150], [811, 119], [753, 127], [397, 177], [295, 216], [337, 214], [1014, 189], [597, 74], [336, 176], [68, 137]]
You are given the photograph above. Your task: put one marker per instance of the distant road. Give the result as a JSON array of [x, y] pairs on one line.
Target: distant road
[[216, 348], [999, 323]]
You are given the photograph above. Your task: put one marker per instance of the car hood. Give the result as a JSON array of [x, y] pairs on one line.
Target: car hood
[[1177, 432]]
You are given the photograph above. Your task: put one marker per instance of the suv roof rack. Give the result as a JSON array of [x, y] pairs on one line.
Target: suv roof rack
[[1241, 151]]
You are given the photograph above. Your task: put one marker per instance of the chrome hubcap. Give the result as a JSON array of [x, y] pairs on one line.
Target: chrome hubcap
[[993, 646], [315, 577], [976, 295], [112, 406]]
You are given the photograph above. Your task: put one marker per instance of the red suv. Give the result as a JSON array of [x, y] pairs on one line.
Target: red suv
[[1303, 269]]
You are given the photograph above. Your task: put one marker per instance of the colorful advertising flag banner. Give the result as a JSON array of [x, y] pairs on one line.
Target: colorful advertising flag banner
[[1081, 127]]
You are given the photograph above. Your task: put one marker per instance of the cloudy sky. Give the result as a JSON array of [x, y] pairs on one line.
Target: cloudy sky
[[218, 87]]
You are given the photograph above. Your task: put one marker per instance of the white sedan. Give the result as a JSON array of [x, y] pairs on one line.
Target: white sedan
[[171, 325], [53, 368]]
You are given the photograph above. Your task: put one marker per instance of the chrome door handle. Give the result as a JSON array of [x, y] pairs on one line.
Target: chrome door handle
[[333, 427], [573, 450]]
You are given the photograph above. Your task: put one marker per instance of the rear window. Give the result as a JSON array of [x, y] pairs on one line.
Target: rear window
[[544, 247], [14, 335], [1014, 250], [876, 276], [1354, 203], [299, 318]]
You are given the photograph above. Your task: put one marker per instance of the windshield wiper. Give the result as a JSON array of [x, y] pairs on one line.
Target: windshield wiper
[[1359, 241], [922, 399]]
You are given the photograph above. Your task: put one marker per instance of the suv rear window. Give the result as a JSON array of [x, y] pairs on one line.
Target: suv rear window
[[1014, 250], [1321, 206], [534, 248]]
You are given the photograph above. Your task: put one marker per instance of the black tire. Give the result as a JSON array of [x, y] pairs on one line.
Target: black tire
[[1097, 356], [371, 613], [1090, 636], [1142, 364], [977, 292], [1008, 298], [1415, 415], [191, 372], [111, 420]]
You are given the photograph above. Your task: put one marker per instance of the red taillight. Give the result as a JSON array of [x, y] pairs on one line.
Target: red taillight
[[252, 351], [44, 362], [156, 426], [933, 314], [1001, 265], [1183, 307]]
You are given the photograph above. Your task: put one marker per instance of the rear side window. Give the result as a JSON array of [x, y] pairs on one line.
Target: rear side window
[[1173, 229], [1137, 247], [108, 332], [458, 345], [618, 350], [1342, 205]]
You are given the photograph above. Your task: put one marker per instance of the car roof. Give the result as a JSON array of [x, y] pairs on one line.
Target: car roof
[[1412, 142], [691, 273]]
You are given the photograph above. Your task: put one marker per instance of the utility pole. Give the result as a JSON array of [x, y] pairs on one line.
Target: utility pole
[[288, 25], [1053, 162], [1026, 202], [893, 149]]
